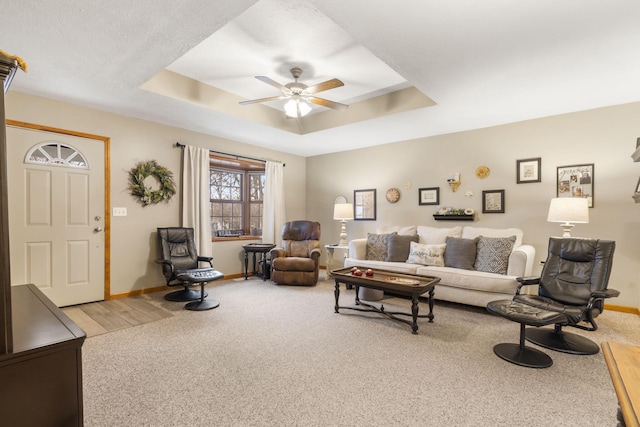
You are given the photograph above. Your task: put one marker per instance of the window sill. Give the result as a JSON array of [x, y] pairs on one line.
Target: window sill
[[231, 239]]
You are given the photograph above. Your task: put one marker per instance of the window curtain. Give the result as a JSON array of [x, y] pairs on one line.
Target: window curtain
[[196, 196], [273, 203]]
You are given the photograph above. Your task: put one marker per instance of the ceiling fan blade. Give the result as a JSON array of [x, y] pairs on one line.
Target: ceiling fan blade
[[327, 103], [255, 101], [273, 83], [329, 84]]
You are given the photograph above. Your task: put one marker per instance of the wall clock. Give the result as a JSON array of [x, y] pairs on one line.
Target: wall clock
[[393, 195], [340, 199]]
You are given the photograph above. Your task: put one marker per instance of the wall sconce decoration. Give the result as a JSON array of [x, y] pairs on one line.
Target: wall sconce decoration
[[454, 182]]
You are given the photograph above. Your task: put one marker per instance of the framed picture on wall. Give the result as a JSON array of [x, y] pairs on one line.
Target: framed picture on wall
[[528, 170], [576, 181], [493, 201], [429, 196], [364, 205]]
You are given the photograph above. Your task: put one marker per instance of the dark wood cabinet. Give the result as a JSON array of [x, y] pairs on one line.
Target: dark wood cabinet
[[41, 380]]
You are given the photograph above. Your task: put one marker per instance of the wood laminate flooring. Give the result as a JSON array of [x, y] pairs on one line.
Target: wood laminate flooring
[[106, 316]]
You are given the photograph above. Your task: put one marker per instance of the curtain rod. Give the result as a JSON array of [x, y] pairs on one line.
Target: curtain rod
[[235, 156]]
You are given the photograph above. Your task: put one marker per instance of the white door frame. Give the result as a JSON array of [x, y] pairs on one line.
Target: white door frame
[[107, 186]]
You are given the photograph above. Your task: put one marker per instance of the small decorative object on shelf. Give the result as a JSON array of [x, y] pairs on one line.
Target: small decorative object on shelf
[[454, 182], [451, 214]]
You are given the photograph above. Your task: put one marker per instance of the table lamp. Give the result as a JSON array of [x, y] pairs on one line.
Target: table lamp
[[343, 212], [568, 211]]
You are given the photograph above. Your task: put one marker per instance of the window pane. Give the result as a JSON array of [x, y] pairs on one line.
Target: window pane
[[231, 208]]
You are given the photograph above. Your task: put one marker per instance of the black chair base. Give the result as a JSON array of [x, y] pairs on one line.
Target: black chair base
[[201, 305], [183, 295], [564, 342], [523, 356]]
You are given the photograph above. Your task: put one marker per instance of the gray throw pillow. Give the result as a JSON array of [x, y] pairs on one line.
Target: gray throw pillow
[[377, 246], [460, 253], [398, 247], [493, 254]]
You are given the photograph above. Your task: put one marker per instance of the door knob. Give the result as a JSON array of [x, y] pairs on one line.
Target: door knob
[[97, 229]]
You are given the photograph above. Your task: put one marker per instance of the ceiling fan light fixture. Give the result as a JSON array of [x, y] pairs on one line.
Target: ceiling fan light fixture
[[296, 107]]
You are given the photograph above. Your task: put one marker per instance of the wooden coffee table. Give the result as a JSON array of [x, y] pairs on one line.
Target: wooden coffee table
[[401, 284]]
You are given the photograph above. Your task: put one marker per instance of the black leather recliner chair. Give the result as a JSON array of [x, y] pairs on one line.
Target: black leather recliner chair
[[571, 292], [181, 267]]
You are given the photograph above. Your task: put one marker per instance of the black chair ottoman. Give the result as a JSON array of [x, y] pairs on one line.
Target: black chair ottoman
[[201, 276], [525, 315]]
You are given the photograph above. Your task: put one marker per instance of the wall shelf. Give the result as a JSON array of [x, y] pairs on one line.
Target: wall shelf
[[454, 217]]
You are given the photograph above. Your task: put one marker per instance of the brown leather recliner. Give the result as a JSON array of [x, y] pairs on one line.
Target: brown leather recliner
[[297, 262]]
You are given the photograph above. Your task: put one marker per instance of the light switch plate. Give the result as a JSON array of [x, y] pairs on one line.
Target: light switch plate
[[119, 211]]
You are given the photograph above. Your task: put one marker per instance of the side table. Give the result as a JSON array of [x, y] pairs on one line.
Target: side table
[[257, 248], [333, 259]]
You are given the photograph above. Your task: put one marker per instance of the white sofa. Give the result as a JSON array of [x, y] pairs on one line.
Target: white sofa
[[458, 285]]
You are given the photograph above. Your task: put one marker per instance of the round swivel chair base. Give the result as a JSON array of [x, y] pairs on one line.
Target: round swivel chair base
[[527, 356], [184, 295], [206, 304], [564, 342]]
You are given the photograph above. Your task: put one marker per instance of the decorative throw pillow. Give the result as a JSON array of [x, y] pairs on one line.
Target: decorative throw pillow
[[460, 253], [399, 247], [493, 254], [377, 246], [427, 254]]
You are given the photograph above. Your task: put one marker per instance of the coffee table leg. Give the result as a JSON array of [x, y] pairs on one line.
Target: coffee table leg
[[357, 294], [414, 313], [430, 315], [336, 292]]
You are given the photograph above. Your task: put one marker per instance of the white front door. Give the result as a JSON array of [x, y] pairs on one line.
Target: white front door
[[57, 213]]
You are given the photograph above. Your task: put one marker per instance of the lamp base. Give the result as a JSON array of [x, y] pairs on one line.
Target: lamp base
[[567, 229], [343, 234]]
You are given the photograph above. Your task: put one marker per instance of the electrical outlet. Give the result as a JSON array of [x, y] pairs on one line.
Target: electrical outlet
[[119, 211]]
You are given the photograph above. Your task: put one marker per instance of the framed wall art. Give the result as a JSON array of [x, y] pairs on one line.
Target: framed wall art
[[429, 196], [528, 170], [364, 205], [576, 181], [493, 201]]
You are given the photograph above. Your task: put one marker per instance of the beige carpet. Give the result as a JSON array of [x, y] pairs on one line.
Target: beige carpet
[[280, 356]]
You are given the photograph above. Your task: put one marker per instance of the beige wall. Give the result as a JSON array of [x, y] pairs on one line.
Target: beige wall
[[605, 137], [133, 237]]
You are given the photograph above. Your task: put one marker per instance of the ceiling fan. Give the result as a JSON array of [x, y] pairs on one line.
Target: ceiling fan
[[299, 94]]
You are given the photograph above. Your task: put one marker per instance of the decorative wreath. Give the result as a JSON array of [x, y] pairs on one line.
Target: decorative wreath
[[146, 195]]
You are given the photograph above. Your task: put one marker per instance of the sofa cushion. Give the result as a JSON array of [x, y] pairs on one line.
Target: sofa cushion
[[471, 280], [435, 235], [493, 254], [409, 230], [398, 247], [377, 246], [472, 232], [426, 254], [460, 253]]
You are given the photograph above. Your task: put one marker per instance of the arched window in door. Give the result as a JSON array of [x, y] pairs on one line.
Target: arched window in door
[[56, 154]]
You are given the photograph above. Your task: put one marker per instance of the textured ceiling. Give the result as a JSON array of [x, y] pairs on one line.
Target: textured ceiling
[[411, 69]]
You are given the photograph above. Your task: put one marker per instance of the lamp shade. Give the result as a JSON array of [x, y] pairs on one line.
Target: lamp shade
[[343, 211], [569, 209]]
